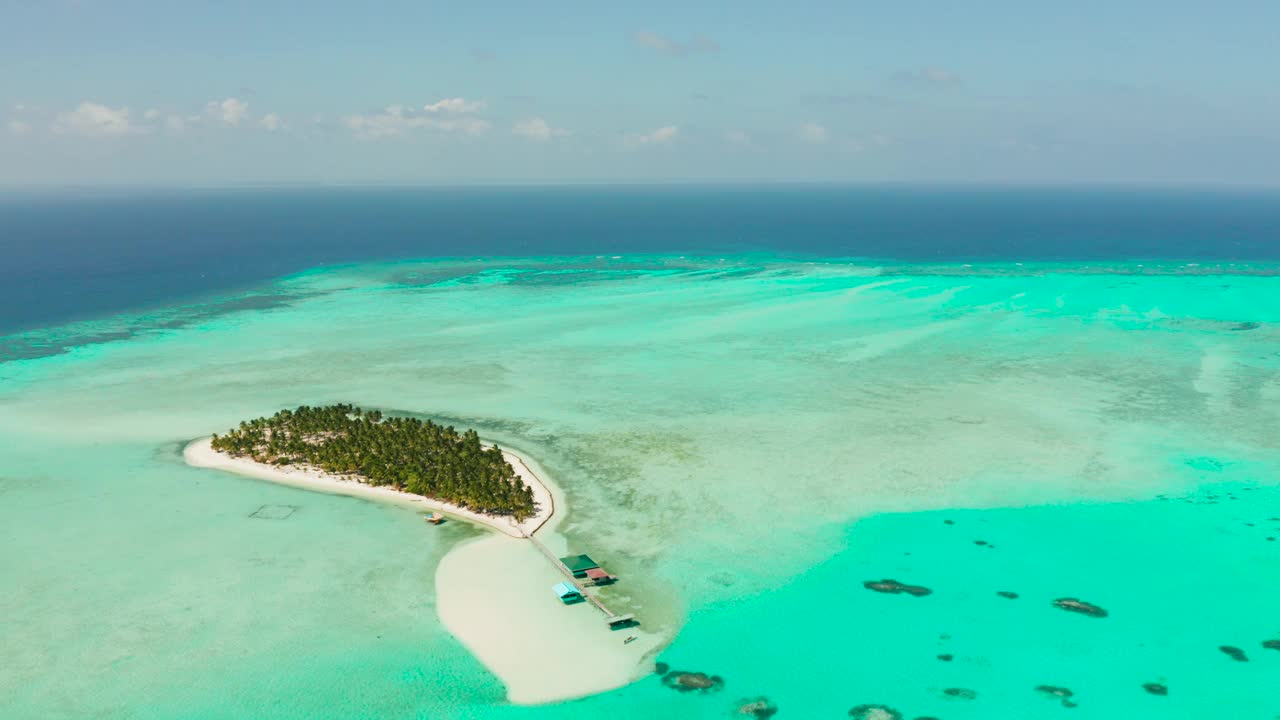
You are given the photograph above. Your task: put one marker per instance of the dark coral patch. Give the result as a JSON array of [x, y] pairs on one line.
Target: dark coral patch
[[1156, 688], [874, 712], [961, 693], [1234, 653], [1062, 694], [946, 657], [692, 681], [1055, 691], [1079, 606], [760, 707], [1271, 644], [893, 587]]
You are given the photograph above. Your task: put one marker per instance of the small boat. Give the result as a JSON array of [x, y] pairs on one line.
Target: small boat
[[629, 640], [434, 518]]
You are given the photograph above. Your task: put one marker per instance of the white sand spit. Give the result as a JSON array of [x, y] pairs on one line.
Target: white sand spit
[[494, 593]]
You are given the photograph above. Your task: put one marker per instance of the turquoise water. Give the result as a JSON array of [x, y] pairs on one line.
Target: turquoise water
[[746, 440]]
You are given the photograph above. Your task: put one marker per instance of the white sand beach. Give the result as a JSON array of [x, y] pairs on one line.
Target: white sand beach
[[495, 593], [200, 453]]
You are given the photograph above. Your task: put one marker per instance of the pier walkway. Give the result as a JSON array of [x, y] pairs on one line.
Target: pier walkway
[[574, 581], [550, 499]]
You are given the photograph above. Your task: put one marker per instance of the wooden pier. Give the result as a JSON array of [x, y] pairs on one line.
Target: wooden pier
[[565, 571], [614, 621]]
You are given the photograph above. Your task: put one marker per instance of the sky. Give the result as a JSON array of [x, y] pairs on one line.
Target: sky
[[1003, 91]]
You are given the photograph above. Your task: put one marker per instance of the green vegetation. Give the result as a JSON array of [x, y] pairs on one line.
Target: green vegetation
[[417, 456]]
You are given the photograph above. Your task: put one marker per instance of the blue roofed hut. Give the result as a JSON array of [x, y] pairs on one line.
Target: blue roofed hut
[[568, 593]]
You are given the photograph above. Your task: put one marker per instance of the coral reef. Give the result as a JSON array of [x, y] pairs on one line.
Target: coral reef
[[1080, 606], [692, 681], [893, 587]]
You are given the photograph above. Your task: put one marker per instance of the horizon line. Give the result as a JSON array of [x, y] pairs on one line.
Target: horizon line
[[644, 183]]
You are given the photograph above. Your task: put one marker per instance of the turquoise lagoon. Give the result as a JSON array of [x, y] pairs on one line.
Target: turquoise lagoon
[[746, 440]]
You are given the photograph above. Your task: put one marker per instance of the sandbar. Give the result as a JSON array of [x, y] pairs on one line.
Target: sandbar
[[493, 593]]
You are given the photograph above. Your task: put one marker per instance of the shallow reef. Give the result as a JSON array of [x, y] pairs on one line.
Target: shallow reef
[[874, 712], [1234, 653], [893, 587], [1080, 606], [1062, 694], [760, 707], [683, 681], [961, 693]]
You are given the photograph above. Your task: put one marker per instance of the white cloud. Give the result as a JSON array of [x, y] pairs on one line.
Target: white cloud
[[662, 135], [537, 129], [667, 46], [271, 122], [454, 105], [389, 122], [467, 126], [175, 124], [93, 120], [737, 137], [231, 111], [396, 120], [812, 132], [929, 77], [18, 127]]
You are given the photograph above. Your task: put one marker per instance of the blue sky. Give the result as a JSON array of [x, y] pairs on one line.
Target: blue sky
[[103, 91]]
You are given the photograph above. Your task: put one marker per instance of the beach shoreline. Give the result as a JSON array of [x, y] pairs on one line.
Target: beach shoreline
[[200, 453], [493, 593]]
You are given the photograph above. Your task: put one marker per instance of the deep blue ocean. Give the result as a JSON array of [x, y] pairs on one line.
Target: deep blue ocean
[[72, 254]]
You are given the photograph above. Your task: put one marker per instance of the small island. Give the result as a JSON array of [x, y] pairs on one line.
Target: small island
[[402, 453], [491, 591]]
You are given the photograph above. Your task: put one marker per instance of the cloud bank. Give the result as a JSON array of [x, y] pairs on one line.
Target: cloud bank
[[660, 136], [537, 129], [926, 78], [91, 119], [675, 48], [452, 115]]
